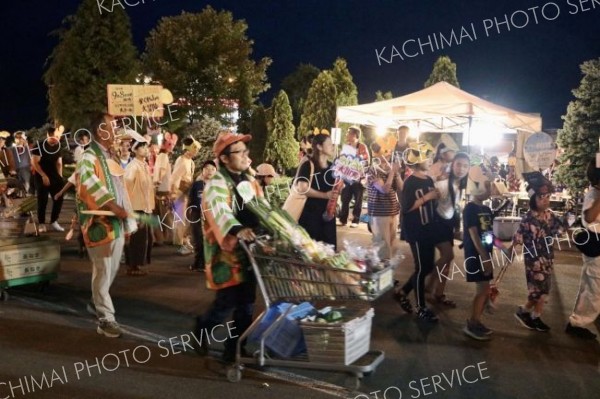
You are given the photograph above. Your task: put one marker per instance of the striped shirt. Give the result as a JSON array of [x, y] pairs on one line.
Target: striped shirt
[[381, 204]]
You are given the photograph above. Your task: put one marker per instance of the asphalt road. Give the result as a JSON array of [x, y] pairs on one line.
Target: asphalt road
[[50, 334]]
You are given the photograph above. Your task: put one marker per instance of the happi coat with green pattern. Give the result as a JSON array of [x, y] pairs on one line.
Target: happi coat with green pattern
[[226, 263]]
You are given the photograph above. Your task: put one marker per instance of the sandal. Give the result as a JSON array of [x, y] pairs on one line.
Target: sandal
[[442, 300], [401, 298], [136, 272]]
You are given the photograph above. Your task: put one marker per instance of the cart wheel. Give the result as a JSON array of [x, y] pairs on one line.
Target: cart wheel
[[352, 382], [234, 374], [3, 295]]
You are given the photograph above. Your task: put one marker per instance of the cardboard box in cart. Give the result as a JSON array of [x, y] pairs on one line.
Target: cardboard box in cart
[[343, 342], [28, 260]]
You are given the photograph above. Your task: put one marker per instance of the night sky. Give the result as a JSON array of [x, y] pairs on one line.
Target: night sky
[[531, 69]]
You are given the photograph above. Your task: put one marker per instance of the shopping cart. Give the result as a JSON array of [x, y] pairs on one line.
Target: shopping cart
[[285, 277]]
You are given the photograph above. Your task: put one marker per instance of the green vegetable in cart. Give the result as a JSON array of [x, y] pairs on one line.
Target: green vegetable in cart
[[334, 316]]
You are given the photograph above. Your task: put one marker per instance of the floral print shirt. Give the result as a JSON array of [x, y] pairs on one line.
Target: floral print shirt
[[537, 232]]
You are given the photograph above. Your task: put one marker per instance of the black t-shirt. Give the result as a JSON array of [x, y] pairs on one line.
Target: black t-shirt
[[195, 197], [416, 225], [322, 180], [479, 216], [50, 154]]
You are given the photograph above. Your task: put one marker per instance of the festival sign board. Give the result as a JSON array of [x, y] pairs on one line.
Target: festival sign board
[[539, 151], [135, 100], [348, 168]]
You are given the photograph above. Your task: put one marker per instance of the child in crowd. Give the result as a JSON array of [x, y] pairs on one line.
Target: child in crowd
[[383, 180], [448, 217], [419, 197], [537, 224], [478, 245], [209, 168]]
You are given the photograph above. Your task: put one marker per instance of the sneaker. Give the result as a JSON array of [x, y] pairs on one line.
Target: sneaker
[[539, 325], [475, 331], [91, 309], [484, 329], [524, 318], [183, 251], [427, 315], [341, 224], [57, 227], [579, 332], [109, 329], [42, 228]]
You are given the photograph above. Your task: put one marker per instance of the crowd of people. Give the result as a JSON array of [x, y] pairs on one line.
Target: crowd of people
[[427, 189], [124, 181]]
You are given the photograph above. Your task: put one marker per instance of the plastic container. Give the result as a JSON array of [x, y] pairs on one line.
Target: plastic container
[[343, 342], [28, 260], [506, 226], [286, 340]]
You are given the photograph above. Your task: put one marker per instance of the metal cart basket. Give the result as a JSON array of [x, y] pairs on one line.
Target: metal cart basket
[[341, 347]]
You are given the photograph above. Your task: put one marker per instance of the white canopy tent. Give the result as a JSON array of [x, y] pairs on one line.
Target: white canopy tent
[[439, 108], [444, 108]]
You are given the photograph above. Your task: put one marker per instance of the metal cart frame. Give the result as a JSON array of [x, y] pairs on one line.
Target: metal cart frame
[[288, 278]]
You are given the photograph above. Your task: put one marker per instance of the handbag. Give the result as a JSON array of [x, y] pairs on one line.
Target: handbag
[[587, 242], [294, 203], [184, 187]]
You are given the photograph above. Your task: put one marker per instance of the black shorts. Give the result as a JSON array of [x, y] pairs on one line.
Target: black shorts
[[445, 230], [474, 270]]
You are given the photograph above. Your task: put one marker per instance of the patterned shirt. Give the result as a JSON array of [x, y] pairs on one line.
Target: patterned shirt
[[380, 203], [533, 231]]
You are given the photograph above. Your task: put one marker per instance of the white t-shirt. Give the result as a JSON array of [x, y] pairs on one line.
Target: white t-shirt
[[444, 203], [162, 162], [591, 196], [78, 153]]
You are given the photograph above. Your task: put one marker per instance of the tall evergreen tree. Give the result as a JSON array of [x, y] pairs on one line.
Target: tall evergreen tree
[[296, 85], [320, 107], [581, 130], [444, 70], [94, 49], [281, 149], [347, 93]]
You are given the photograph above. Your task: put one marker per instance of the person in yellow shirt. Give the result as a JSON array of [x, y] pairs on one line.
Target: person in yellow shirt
[[140, 188]]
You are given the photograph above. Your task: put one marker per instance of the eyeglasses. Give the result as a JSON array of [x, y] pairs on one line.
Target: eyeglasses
[[243, 152]]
